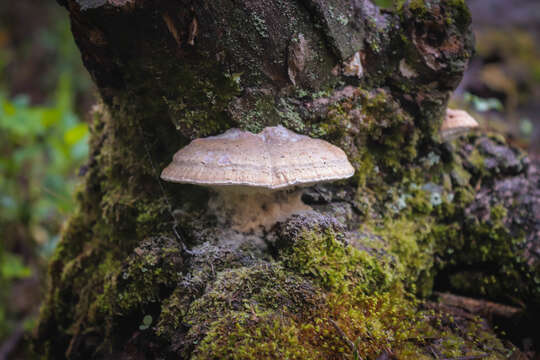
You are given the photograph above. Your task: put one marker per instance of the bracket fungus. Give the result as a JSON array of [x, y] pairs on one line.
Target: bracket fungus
[[353, 66], [257, 176], [455, 123]]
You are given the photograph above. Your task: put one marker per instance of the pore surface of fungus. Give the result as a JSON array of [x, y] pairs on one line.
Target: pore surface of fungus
[[254, 174]]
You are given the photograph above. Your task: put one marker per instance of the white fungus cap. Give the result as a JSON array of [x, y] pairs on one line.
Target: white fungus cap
[[276, 158], [456, 123]]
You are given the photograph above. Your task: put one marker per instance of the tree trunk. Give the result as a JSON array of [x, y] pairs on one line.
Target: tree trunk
[[341, 281]]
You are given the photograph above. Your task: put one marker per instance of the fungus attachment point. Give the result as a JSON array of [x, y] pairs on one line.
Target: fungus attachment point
[[257, 208], [456, 122], [255, 175]]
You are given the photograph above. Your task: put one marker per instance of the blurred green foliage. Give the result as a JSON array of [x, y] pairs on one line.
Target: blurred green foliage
[[58, 39], [41, 149], [482, 104]]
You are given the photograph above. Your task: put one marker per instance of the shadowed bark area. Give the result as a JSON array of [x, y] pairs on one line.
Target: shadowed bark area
[[343, 280]]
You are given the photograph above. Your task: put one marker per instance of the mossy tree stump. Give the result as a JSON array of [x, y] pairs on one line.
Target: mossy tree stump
[[349, 279]]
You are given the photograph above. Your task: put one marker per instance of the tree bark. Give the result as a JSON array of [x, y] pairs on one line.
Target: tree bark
[[126, 283]]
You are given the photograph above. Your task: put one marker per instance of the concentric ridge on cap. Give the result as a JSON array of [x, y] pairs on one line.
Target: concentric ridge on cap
[[276, 158]]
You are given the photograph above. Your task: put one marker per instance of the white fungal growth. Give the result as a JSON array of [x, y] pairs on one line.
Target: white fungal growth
[[256, 175], [353, 67], [406, 70], [456, 123], [298, 52], [193, 31], [276, 158], [247, 209]]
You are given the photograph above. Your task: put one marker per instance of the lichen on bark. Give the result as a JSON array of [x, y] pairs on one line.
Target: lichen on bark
[[359, 268]]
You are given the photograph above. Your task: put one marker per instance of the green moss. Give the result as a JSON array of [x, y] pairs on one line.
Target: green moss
[[154, 266], [460, 176], [490, 243], [386, 321], [249, 291], [264, 286], [260, 25], [256, 336], [374, 131], [460, 12], [266, 311], [173, 311], [322, 285], [475, 249], [457, 10], [290, 118], [366, 320], [478, 161], [205, 93], [366, 169], [256, 111], [112, 214], [383, 320], [263, 113], [335, 265], [409, 241], [418, 7], [419, 202]]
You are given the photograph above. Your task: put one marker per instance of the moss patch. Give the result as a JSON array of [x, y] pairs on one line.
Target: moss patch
[[323, 254]]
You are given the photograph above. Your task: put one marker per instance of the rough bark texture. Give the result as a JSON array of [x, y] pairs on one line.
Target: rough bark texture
[[341, 281]]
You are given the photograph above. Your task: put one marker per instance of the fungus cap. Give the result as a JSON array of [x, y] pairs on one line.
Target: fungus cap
[[276, 158], [456, 123]]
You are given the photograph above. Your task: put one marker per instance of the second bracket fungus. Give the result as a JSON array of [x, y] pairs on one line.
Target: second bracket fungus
[[456, 122], [256, 175]]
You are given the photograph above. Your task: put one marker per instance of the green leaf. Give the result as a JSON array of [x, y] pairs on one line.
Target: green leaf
[[76, 134], [50, 117], [8, 108], [12, 267]]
